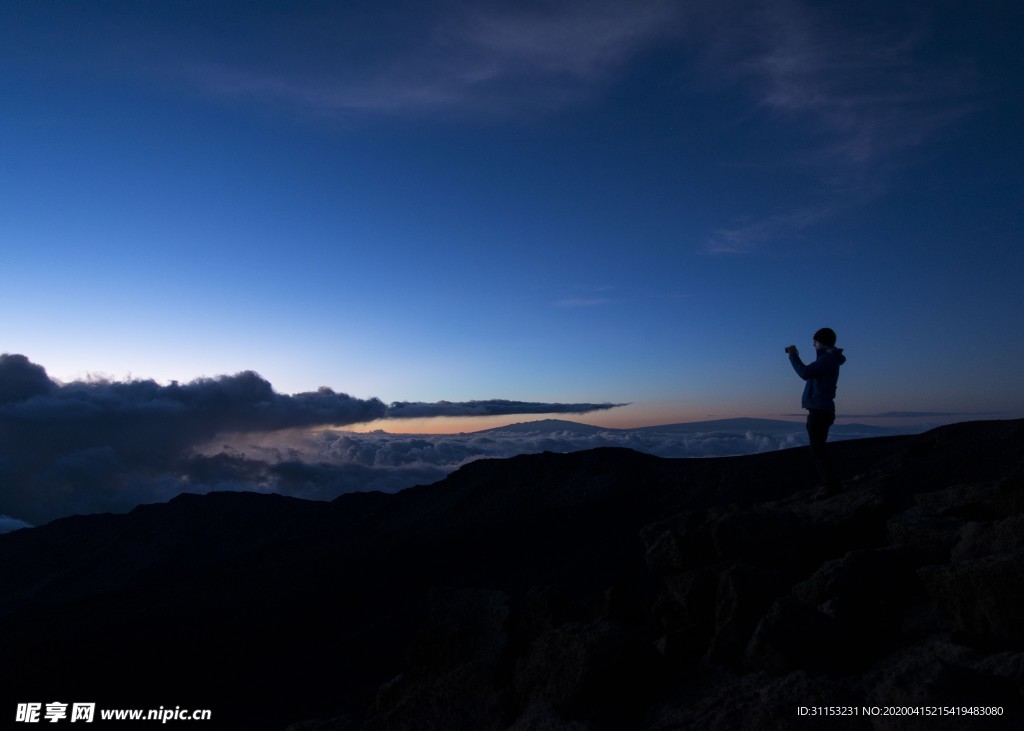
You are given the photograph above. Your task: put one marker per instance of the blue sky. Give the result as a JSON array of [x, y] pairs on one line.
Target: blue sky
[[638, 202]]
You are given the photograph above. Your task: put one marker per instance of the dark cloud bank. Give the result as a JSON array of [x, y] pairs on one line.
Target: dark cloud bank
[[100, 445]]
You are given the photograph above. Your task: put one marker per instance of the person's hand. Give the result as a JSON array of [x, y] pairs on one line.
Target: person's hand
[[791, 349]]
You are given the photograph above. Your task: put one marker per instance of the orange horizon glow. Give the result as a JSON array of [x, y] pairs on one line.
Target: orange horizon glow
[[628, 418], [632, 416]]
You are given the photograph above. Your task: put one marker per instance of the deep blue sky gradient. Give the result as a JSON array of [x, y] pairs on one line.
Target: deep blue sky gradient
[[623, 201]]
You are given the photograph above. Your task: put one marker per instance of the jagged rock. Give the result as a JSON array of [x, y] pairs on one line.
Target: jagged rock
[[866, 593], [937, 673], [982, 597], [338, 723], [925, 528], [1007, 667], [449, 682], [754, 532], [666, 543], [685, 614], [680, 543], [744, 594], [922, 619], [1010, 493], [983, 538], [690, 599], [794, 636], [540, 715], [970, 501], [600, 671], [758, 701]]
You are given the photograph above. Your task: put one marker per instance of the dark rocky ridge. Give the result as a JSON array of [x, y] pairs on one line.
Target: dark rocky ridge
[[600, 589]]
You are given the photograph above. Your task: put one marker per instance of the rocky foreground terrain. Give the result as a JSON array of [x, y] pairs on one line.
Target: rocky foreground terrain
[[604, 589]]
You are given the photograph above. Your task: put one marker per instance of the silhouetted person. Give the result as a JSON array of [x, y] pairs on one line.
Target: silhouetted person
[[818, 398]]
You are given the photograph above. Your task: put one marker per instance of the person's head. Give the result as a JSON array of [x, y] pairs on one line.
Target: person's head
[[824, 338]]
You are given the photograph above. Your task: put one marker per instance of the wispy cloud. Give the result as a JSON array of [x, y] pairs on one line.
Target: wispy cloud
[[746, 237], [850, 88], [577, 39], [870, 91], [582, 302], [864, 86], [860, 94], [595, 295], [492, 407], [478, 57], [925, 414]]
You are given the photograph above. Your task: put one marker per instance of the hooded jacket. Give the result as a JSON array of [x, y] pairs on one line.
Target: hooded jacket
[[821, 377]]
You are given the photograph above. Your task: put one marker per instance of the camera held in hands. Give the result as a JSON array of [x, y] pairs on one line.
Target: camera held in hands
[[790, 348]]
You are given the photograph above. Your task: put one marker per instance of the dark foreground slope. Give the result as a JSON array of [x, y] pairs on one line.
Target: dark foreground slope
[[600, 589]]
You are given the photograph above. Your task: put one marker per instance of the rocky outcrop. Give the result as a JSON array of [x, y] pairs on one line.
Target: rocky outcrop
[[597, 590], [880, 596], [903, 591]]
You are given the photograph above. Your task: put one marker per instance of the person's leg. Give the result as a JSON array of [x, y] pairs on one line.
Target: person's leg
[[818, 424]]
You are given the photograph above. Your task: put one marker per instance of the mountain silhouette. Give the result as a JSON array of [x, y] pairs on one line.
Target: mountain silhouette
[[728, 426], [603, 589], [546, 426]]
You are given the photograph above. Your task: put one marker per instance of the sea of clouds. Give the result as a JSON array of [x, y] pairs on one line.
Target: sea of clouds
[[325, 464], [105, 446]]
